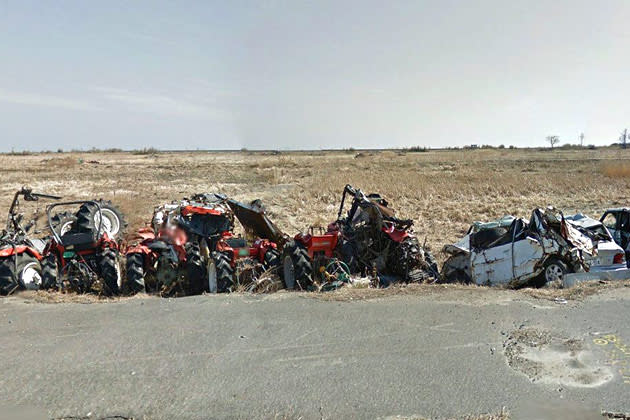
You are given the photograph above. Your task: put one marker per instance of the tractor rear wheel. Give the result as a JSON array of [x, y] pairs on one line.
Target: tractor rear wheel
[[109, 264], [62, 222], [88, 219], [297, 270], [135, 273]]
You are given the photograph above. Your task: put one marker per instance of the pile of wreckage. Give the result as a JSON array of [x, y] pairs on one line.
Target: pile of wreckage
[[190, 247]]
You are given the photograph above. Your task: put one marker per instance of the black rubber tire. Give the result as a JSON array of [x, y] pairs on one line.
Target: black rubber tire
[[50, 272], [225, 272], [8, 282], [553, 264], [110, 271], [107, 205], [195, 269], [25, 260], [349, 255], [11, 276], [302, 266], [135, 274], [433, 272], [87, 212], [59, 220], [271, 259]]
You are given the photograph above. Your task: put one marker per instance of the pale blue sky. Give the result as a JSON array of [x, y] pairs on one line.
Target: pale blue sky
[[321, 74]]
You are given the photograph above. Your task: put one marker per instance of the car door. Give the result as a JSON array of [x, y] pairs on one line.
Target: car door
[[527, 253], [492, 265], [610, 220], [623, 229]]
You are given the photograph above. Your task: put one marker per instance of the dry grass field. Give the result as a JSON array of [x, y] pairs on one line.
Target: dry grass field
[[444, 191]]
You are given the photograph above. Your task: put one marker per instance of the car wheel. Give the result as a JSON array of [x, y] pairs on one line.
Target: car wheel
[[554, 271]]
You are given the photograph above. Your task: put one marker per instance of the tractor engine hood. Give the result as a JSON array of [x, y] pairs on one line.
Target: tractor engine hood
[[253, 217]]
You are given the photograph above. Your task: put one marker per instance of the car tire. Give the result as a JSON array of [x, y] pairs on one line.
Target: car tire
[[554, 270]]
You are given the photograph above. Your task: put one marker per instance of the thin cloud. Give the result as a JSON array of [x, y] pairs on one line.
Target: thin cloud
[[160, 104], [32, 99]]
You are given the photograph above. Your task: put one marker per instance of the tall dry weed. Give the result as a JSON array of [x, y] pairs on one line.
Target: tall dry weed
[[616, 169]]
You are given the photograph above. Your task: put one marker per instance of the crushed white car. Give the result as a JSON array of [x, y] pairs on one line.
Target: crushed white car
[[515, 252]]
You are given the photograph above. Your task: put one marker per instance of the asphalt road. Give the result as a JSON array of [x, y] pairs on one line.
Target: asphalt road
[[291, 356]]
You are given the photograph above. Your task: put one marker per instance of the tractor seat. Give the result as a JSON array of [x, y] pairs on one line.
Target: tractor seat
[[236, 242], [78, 241]]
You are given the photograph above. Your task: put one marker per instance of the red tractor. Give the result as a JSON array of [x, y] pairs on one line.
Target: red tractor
[[78, 257], [368, 240], [21, 255], [192, 249], [157, 261], [209, 221]]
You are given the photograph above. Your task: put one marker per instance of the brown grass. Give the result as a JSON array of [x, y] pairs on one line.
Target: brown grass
[[577, 292], [45, 296], [616, 169]]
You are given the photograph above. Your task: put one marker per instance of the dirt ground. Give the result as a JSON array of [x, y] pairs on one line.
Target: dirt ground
[[444, 191]]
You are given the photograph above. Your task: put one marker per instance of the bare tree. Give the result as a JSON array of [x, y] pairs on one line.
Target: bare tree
[[553, 140]]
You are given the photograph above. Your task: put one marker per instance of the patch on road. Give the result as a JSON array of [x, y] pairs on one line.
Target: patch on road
[[547, 358]]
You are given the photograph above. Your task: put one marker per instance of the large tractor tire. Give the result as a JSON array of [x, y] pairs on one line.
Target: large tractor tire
[[88, 219], [62, 222], [297, 270], [109, 264], [195, 268], [220, 273], [135, 274], [50, 272], [26, 275], [271, 259]]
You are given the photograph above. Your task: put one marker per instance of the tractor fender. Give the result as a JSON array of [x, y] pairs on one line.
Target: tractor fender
[[20, 249]]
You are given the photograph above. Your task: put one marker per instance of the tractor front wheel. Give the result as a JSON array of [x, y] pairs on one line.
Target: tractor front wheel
[[297, 270], [271, 259], [195, 268], [109, 264], [135, 273], [50, 272], [220, 273]]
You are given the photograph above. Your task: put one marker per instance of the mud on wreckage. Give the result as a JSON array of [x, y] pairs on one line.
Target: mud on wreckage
[[83, 254], [192, 248], [367, 240], [547, 249]]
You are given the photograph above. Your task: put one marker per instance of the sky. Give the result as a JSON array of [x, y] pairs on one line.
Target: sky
[[311, 75]]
